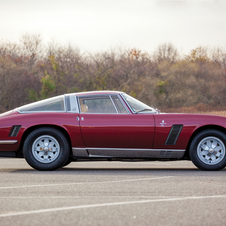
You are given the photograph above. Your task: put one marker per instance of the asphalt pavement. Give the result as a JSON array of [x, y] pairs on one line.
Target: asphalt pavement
[[111, 193]]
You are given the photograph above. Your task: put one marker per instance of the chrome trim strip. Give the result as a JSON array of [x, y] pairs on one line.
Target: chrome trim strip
[[8, 141], [128, 153], [80, 152], [68, 103], [65, 106], [79, 106], [100, 156], [123, 103], [128, 106], [137, 153], [28, 112], [113, 104], [73, 103], [133, 149], [92, 113]]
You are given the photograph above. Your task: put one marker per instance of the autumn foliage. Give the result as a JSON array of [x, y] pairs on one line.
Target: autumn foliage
[[165, 79]]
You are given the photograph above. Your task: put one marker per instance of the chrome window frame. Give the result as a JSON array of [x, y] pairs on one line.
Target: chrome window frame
[[114, 104], [127, 103], [27, 112], [134, 112], [103, 95], [73, 103], [123, 103]]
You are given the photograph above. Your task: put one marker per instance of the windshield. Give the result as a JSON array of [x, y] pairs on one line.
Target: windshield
[[136, 105], [51, 104]]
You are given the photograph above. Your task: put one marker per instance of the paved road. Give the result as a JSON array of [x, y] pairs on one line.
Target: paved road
[[111, 193]]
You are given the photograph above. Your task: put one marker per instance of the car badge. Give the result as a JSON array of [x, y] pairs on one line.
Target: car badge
[[162, 123]]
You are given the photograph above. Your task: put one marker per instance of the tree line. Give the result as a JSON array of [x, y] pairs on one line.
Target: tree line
[[165, 78]]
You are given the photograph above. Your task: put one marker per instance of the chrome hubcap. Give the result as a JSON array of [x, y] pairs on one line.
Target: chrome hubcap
[[211, 150], [45, 149]]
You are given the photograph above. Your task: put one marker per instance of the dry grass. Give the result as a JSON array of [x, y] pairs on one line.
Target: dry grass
[[198, 109], [220, 113]]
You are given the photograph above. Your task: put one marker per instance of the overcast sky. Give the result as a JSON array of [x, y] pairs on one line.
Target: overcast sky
[[98, 25]]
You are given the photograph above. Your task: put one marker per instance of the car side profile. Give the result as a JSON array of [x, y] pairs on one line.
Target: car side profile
[[109, 125]]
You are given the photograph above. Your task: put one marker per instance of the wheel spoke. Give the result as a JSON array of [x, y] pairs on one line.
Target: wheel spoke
[[204, 152], [218, 148], [214, 144], [45, 157], [54, 149], [204, 147], [41, 144], [218, 154], [46, 142], [51, 154], [51, 144], [209, 144], [207, 157], [41, 153], [213, 157]]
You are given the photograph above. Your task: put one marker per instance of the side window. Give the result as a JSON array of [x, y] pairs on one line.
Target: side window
[[119, 105], [50, 104], [101, 104]]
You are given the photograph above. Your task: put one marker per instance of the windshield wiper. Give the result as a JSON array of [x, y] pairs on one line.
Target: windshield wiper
[[146, 109]]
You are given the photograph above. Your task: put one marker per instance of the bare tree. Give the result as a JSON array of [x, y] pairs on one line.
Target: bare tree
[[31, 48], [166, 52]]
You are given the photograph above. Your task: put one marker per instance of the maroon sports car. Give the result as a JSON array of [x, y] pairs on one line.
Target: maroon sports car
[[109, 125]]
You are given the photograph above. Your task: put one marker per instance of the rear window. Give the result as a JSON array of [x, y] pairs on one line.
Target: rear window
[[51, 104]]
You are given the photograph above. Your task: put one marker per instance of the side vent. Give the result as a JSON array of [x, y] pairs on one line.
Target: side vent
[[173, 134], [14, 131]]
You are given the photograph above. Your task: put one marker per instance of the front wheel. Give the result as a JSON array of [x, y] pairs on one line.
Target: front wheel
[[68, 162], [46, 149], [208, 150]]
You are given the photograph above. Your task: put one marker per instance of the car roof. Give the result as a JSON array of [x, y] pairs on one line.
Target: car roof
[[97, 92]]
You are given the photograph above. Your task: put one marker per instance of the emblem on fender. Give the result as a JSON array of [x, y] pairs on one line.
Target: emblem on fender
[[162, 123]]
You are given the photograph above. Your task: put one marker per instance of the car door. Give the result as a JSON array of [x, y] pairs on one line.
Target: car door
[[110, 129]]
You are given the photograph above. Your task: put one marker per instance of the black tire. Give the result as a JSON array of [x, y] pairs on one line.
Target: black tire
[[46, 149], [68, 162], [208, 150]]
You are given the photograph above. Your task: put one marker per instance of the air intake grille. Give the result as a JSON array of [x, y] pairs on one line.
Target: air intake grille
[[173, 134], [165, 154], [14, 131]]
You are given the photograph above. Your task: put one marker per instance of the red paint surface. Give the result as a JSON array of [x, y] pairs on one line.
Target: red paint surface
[[117, 130], [143, 131]]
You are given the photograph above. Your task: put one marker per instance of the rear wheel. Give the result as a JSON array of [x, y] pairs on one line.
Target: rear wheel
[[46, 149], [208, 150]]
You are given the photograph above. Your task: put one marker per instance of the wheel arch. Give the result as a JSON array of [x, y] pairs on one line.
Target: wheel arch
[[32, 128], [200, 129]]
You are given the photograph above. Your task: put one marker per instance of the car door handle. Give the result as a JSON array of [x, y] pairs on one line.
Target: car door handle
[[82, 118]]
